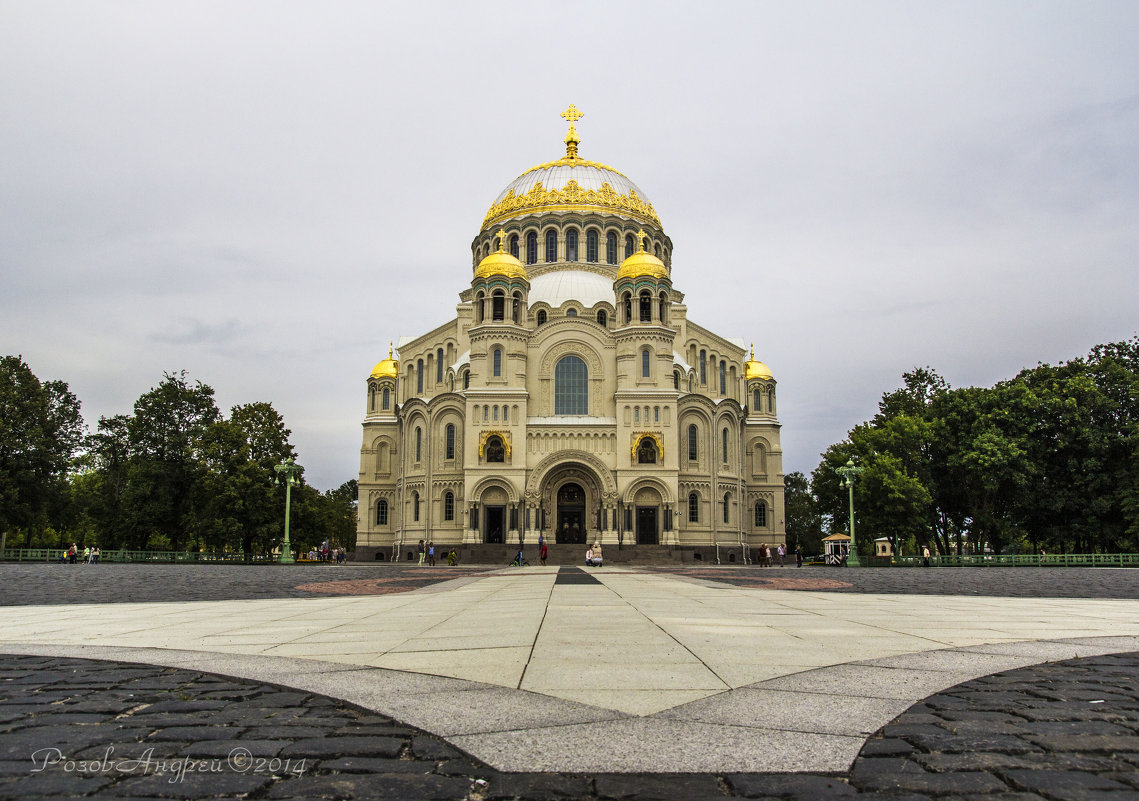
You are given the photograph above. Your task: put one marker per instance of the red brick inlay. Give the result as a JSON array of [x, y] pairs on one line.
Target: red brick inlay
[[386, 586]]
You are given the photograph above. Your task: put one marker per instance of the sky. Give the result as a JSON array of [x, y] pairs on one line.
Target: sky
[[264, 194]]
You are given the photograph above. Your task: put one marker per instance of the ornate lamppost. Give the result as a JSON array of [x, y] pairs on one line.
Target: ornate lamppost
[[847, 475], [288, 473]]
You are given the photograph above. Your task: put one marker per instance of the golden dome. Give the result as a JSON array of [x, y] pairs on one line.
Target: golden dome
[[642, 263], [388, 368], [501, 263], [756, 369]]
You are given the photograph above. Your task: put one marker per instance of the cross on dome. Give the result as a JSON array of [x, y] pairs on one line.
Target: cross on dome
[[572, 141], [501, 239], [641, 240], [572, 114]]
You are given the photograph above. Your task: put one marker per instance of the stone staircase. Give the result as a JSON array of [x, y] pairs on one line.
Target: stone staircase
[[625, 556]]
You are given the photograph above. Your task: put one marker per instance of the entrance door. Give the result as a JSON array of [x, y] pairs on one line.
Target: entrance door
[[571, 514], [646, 525], [495, 524]]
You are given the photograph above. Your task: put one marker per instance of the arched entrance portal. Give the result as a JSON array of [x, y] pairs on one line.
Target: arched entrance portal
[[572, 523], [648, 505]]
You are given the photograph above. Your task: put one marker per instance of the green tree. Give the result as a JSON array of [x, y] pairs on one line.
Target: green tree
[[804, 523]]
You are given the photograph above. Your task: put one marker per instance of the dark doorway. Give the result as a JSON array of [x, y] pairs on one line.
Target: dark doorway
[[646, 525], [495, 524], [571, 514]]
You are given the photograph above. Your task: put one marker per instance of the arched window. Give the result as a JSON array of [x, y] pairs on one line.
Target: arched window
[[439, 366], [419, 376], [571, 312], [757, 401], [760, 514], [449, 452], [676, 381], [628, 301], [724, 437], [645, 363], [551, 245], [658, 253], [693, 508], [663, 306], [479, 306], [703, 367], [505, 413], [542, 317], [517, 308], [498, 306], [646, 306], [495, 450], [382, 512], [611, 248], [532, 248], [496, 359], [495, 414], [727, 508], [591, 246], [692, 451], [636, 414], [602, 318], [630, 246], [571, 386], [514, 246], [449, 504], [387, 401], [466, 379], [415, 506], [571, 244], [647, 451], [418, 444], [771, 401], [723, 377]]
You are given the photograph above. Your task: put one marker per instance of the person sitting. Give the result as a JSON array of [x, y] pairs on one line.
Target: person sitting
[[589, 557], [597, 554]]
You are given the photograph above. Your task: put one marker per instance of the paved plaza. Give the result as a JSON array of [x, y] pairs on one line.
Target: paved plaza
[[533, 677]]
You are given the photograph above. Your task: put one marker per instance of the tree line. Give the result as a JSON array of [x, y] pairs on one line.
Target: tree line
[[1045, 461], [176, 474]]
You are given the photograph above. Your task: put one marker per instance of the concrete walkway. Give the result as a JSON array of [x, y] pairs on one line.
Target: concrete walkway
[[612, 670]]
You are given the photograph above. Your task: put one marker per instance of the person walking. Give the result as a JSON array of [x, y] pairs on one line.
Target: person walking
[[422, 553], [431, 554], [782, 552], [543, 551], [798, 555], [925, 555], [72, 553]]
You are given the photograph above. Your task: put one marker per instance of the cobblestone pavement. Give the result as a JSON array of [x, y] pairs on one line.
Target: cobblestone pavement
[[83, 728], [40, 583]]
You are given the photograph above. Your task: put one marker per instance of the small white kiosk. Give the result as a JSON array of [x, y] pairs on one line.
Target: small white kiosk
[[835, 548]]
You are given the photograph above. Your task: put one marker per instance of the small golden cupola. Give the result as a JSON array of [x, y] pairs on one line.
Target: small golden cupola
[[501, 263], [756, 369], [642, 263], [388, 368]]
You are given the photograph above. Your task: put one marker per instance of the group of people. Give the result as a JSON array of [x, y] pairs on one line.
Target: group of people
[[593, 556], [767, 554], [90, 555], [323, 553]]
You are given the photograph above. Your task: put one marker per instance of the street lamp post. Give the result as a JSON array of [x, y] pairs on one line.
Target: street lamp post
[[848, 473], [288, 473]]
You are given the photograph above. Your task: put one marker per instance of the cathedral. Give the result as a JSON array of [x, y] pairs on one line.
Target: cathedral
[[571, 395]]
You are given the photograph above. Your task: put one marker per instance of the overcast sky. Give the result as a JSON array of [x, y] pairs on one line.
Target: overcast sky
[[265, 193]]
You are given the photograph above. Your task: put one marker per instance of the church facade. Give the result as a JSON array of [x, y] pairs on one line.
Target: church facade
[[571, 394]]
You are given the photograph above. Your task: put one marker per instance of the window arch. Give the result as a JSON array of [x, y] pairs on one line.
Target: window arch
[[418, 444], [551, 245], [495, 450], [628, 302], [571, 386], [382, 512], [693, 508], [771, 401], [571, 312], [727, 508], [571, 244], [439, 366], [663, 306], [498, 306], [517, 307], [630, 248], [757, 401], [541, 317], [449, 448], [693, 451], [602, 318], [448, 505], [514, 246], [496, 359], [760, 514], [532, 247], [647, 451], [611, 248], [387, 398], [703, 367], [466, 379], [591, 249], [415, 506], [646, 307], [723, 377], [419, 376], [676, 381], [646, 363], [479, 308], [724, 438]]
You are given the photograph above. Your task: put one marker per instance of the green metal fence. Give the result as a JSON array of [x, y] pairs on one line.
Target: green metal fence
[[60, 555], [1016, 560]]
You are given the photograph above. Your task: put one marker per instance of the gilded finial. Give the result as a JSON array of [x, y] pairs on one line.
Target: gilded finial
[[641, 240], [572, 141], [753, 351], [501, 239], [389, 348]]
